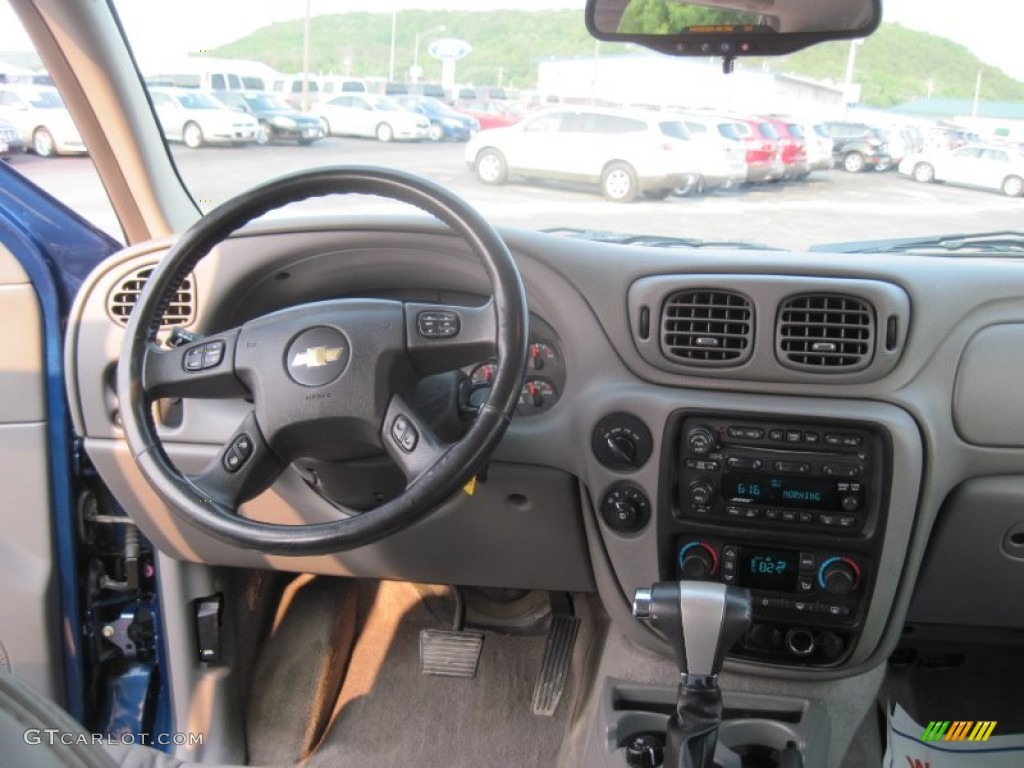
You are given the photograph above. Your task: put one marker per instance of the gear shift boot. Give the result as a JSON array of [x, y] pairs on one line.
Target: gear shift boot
[[701, 621]]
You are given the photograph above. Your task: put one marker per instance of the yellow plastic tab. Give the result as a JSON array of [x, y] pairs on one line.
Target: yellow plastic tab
[[470, 487]]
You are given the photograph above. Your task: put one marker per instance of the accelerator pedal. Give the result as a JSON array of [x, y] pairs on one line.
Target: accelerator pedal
[[451, 652], [554, 667]]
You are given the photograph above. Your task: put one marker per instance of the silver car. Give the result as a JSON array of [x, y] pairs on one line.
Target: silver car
[[358, 114], [197, 118], [41, 118], [976, 165]]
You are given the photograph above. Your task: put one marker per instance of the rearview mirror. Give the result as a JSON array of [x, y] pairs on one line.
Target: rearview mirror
[[731, 27]]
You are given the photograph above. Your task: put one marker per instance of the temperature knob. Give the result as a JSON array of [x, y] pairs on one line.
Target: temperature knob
[[839, 575], [698, 560], [700, 441]]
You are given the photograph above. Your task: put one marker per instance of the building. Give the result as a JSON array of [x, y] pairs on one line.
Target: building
[[657, 81], [1002, 120]]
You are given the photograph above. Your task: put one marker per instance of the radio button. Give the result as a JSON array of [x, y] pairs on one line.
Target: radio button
[[777, 435], [805, 517], [812, 438], [827, 519], [847, 521], [700, 493], [788, 516], [850, 502], [792, 466], [751, 513], [743, 462], [771, 514], [841, 470], [794, 436], [733, 511], [845, 441], [808, 561], [746, 433], [700, 440]]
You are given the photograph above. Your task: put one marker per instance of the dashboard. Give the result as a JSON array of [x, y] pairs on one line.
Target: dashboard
[[839, 436]]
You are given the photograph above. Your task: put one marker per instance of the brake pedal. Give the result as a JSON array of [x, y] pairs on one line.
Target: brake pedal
[[554, 667], [451, 652]]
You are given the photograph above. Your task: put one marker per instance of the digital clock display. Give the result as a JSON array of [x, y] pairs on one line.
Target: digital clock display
[[774, 569], [802, 493]]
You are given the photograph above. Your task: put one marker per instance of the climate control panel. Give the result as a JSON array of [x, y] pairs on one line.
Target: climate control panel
[[818, 594]]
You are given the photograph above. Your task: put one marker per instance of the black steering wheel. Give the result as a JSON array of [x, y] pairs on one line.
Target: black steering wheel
[[324, 378]]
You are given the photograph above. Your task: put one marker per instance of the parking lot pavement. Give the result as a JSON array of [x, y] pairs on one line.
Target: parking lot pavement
[[827, 207]]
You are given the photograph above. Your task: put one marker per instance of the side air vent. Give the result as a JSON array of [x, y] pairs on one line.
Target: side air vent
[[123, 297], [825, 333], [707, 327]]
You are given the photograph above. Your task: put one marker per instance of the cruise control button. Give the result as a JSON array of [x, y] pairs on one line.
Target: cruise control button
[[438, 324], [238, 453], [194, 359], [213, 353]]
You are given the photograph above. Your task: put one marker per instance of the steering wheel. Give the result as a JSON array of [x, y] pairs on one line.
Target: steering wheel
[[324, 378]]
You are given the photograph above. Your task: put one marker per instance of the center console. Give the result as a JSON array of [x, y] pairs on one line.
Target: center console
[[793, 510]]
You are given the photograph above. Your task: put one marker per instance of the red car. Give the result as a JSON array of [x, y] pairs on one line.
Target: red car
[[490, 114], [792, 145], [764, 154]]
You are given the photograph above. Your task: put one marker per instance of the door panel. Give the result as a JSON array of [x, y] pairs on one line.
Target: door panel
[[29, 606]]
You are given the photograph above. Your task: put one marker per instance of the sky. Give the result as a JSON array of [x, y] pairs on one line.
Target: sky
[[991, 29]]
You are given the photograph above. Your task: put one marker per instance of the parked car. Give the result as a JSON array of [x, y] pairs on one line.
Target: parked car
[[197, 118], [490, 114], [624, 153], [764, 155], [370, 115], [11, 142], [290, 88], [431, 90], [819, 147], [334, 86], [42, 120], [445, 122], [723, 162], [277, 120], [976, 165], [857, 147], [792, 147]]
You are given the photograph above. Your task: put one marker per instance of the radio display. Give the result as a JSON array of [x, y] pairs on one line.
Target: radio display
[[800, 492], [768, 569]]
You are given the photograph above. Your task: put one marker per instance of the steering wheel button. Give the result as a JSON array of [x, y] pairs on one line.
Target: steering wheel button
[[194, 359], [242, 446], [399, 427], [409, 439], [232, 461], [441, 324], [213, 353]]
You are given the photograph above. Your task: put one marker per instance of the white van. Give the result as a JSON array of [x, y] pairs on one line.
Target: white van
[[289, 88], [331, 86]]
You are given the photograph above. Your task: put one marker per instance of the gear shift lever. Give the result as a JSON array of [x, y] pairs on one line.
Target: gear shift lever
[[702, 621]]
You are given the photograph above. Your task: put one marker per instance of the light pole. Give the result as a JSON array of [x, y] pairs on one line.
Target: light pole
[[415, 72], [391, 64]]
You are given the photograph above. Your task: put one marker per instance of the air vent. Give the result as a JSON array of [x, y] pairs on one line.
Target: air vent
[[826, 333], [707, 327], [122, 299]]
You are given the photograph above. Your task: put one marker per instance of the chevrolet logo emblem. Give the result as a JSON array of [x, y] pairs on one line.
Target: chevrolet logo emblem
[[317, 357]]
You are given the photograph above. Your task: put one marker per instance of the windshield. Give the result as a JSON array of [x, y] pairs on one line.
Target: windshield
[[868, 128]]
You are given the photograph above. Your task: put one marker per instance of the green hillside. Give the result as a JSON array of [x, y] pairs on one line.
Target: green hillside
[[895, 65]]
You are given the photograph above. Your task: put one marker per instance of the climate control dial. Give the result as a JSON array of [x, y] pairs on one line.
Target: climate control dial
[[698, 560], [839, 575]]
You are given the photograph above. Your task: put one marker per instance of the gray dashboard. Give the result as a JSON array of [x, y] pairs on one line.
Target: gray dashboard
[[940, 381]]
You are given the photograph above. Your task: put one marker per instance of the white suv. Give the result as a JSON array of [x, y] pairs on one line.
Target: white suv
[[626, 153]]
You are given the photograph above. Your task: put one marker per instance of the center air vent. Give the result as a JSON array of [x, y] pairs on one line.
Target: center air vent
[[826, 333], [123, 297], [707, 327]]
